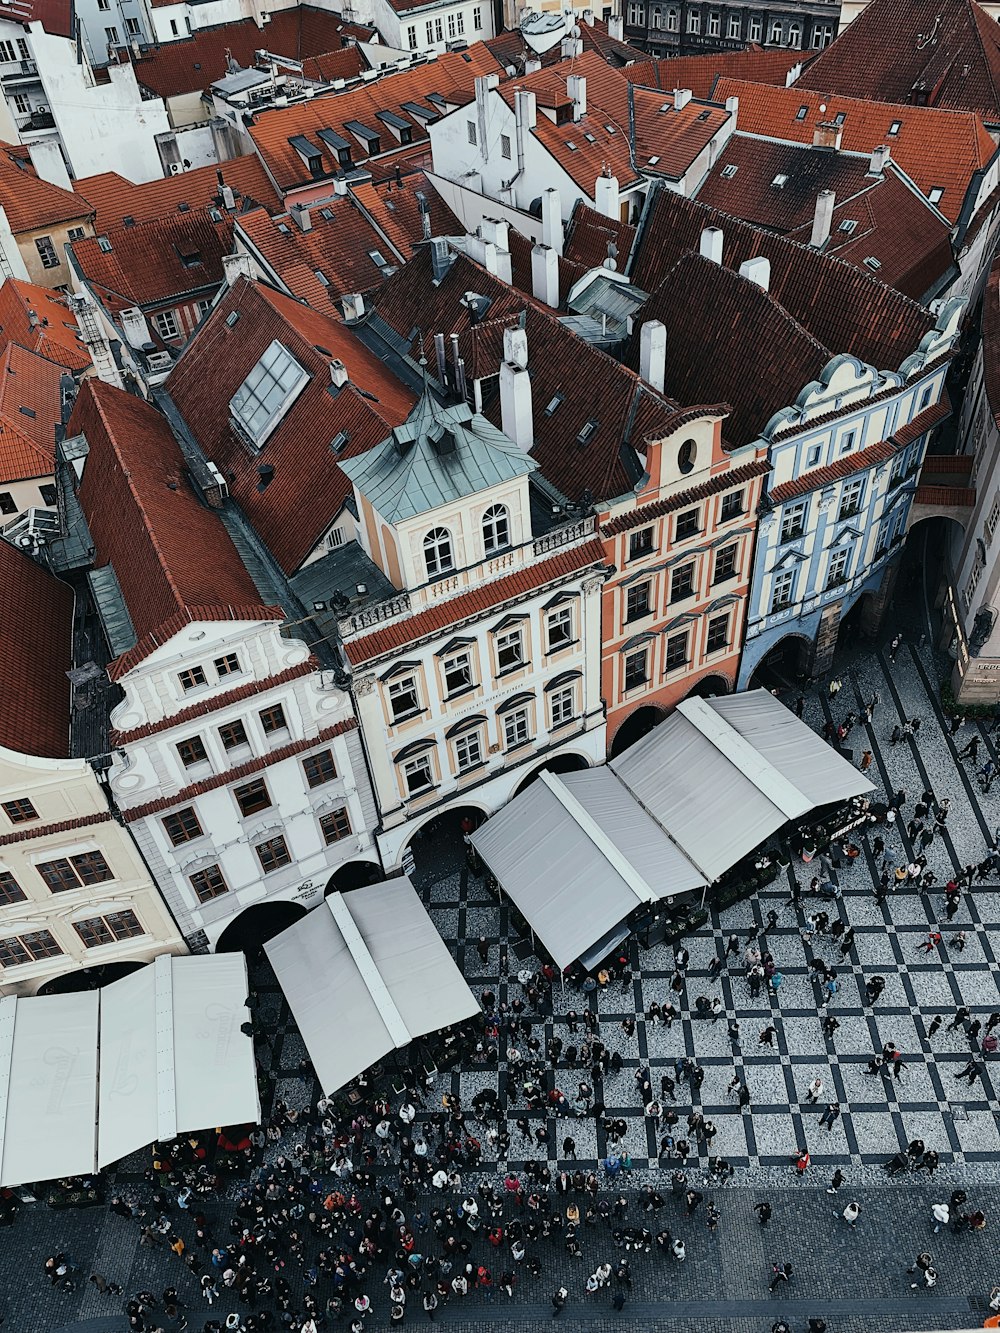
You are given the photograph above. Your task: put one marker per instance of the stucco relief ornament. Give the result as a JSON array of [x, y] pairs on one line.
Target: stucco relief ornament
[[767, 522], [592, 585], [826, 500], [364, 685]]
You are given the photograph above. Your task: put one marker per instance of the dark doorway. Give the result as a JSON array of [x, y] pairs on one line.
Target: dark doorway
[[253, 928], [355, 875], [710, 687], [636, 725], [785, 665], [560, 763]]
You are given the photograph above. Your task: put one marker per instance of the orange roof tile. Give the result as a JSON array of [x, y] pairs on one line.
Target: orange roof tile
[[155, 261], [699, 73], [40, 320], [36, 628], [30, 202], [668, 142], [55, 16], [116, 198], [31, 395], [21, 459], [393, 206], [590, 233]]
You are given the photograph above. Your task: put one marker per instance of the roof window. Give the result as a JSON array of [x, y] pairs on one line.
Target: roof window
[[326, 214], [128, 220], [847, 226], [215, 215], [872, 262], [936, 195], [587, 434], [265, 396], [704, 115], [610, 129], [653, 161], [322, 277], [840, 117], [104, 244], [802, 112], [779, 182], [378, 258], [232, 319], [183, 207], [590, 138], [339, 440], [553, 403], [729, 171], [895, 127], [571, 145]]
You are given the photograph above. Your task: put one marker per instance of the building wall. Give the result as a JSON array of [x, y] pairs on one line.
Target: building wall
[[72, 820], [128, 21], [679, 27], [57, 235], [432, 26], [22, 495]]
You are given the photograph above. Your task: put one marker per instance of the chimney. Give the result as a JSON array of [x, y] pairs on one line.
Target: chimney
[[439, 357], [653, 353], [47, 159], [496, 231], [681, 98], [339, 185], [516, 415], [302, 216], [440, 257], [571, 47], [338, 373], [606, 197], [616, 27], [576, 91], [552, 228], [237, 266], [827, 134], [822, 219], [134, 327], [879, 157], [354, 307], [525, 109], [733, 105], [710, 245], [757, 270], [588, 17], [228, 198], [545, 275], [532, 65]]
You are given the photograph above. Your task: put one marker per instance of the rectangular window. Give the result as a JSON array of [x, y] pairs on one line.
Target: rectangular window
[[847, 441], [233, 735], [850, 498], [252, 796], [403, 698], [470, 130], [510, 650], [640, 544], [192, 751], [334, 825], [559, 628], [636, 672], [192, 678], [6, 50], [48, 494], [755, 28], [505, 147], [457, 673], [725, 563], [182, 826], [112, 36], [66, 874], [13, 953], [718, 633], [10, 890], [47, 252], [229, 665], [22, 104], [104, 4], [682, 582], [165, 324], [477, 19], [273, 854], [694, 21], [40, 944], [91, 867], [686, 525], [59, 876], [793, 520], [430, 33], [713, 25], [636, 15], [992, 520], [515, 728], [781, 589], [460, 20], [563, 706], [677, 651], [813, 455], [469, 751], [272, 719], [267, 393], [8, 505], [208, 884], [125, 925], [637, 601], [438, 31], [451, 25], [132, 28], [411, 37], [94, 932], [837, 573], [417, 774], [734, 27], [20, 810], [319, 768], [22, 49]]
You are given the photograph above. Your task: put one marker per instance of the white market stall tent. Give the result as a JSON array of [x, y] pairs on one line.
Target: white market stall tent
[[366, 974]]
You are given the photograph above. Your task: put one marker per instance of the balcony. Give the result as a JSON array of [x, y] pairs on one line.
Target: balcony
[[375, 615], [564, 536]]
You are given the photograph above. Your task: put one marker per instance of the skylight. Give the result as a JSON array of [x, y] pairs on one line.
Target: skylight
[[936, 195], [653, 161], [267, 393], [895, 127], [779, 181], [588, 431], [729, 171], [377, 258], [802, 112], [552, 404], [872, 262], [847, 226]]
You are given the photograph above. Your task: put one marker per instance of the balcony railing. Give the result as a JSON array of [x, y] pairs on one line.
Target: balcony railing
[[375, 615], [571, 532]]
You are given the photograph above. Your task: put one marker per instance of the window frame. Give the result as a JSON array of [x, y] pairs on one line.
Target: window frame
[[228, 664], [212, 878], [670, 663], [267, 722], [495, 527], [685, 517], [439, 553], [638, 550], [410, 767], [636, 609], [469, 752], [258, 786], [271, 398], [196, 748], [512, 724], [192, 678], [10, 890], [47, 252], [505, 641], [20, 810], [630, 681], [233, 743], [166, 325], [681, 594], [330, 821], [563, 615], [723, 619], [783, 577], [184, 819], [721, 575], [324, 769], [458, 665], [850, 498], [793, 521], [557, 699], [274, 849], [400, 687]]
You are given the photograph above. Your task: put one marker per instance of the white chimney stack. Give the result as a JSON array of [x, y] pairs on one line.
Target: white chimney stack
[[496, 231], [681, 98], [576, 91], [228, 197], [516, 415], [653, 353], [606, 197], [822, 219], [757, 270], [338, 373], [616, 27], [134, 327], [710, 245], [302, 216], [354, 307], [733, 105], [532, 65], [879, 157], [552, 228], [237, 266], [545, 275]]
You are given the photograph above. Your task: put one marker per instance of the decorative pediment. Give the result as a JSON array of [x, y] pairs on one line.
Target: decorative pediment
[[789, 556], [566, 678], [399, 669], [453, 646], [636, 641]]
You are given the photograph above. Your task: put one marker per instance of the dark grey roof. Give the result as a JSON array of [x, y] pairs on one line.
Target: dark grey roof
[[110, 603]]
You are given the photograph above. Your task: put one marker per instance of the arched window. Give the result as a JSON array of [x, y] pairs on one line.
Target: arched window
[[794, 34], [496, 528], [686, 456], [673, 20], [437, 552], [657, 17]]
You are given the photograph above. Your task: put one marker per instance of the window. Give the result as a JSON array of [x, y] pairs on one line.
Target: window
[[673, 20], [437, 553], [438, 31], [847, 441], [470, 130], [91, 867], [850, 498], [637, 601], [713, 25], [935, 195], [636, 15], [460, 20], [13, 953], [510, 650], [28, 948], [682, 582], [775, 33], [22, 49], [229, 665], [165, 324], [640, 544], [457, 673], [8, 505], [267, 393], [756, 24], [272, 719], [273, 854], [477, 19], [781, 590], [468, 751], [657, 19], [132, 28], [515, 728], [562, 704], [22, 104], [20, 810], [686, 525], [417, 775], [837, 573], [334, 825], [636, 673], [192, 751], [112, 36], [793, 520], [208, 884], [794, 34], [68, 873], [411, 37], [182, 826], [6, 50], [725, 563], [677, 651], [59, 876], [694, 21], [173, 27], [822, 35], [496, 528], [814, 455], [734, 27], [107, 929], [451, 25], [925, 398], [47, 252], [252, 796], [403, 697], [732, 505], [103, 4], [192, 678], [992, 520], [718, 633], [430, 32], [233, 735], [48, 494], [505, 147], [686, 456], [319, 768], [10, 890], [559, 628], [969, 591]]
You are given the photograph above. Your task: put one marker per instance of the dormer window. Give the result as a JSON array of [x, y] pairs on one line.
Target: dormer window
[[264, 397], [496, 529], [438, 555]]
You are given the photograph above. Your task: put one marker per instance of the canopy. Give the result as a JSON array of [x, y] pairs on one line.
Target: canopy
[[577, 854], [173, 1057], [48, 1086], [364, 975]]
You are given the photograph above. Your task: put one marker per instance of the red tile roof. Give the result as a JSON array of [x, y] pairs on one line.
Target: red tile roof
[[30, 202], [937, 149], [55, 16], [844, 309], [246, 770], [116, 198], [40, 320], [905, 51], [347, 63], [308, 489], [36, 635], [154, 262], [952, 497], [21, 459], [699, 73], [722, 481], [454, 611], [172, 556], [668, 142], [520, 256], [847, 465], [589, 233], [394, 208], [34, 383], [33, 832]]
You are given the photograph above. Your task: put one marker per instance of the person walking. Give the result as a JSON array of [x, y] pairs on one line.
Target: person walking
[[779, 1273], [836, 1181], [851, 1214], [894, 646], [559, 1301], [866, 760], [830, 1116], [763, 1211], [813, 1091]]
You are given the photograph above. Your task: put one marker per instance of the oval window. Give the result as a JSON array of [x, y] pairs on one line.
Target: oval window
[[685, 456]]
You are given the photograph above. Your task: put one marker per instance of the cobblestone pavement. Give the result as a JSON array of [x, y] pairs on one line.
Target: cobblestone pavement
[[855, 1278]]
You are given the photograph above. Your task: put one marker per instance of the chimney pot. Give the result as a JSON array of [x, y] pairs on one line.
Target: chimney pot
[[354, 307], [878, 160], [653, 353], [681, 98], [552, 229], [338, 373], [606, 197], [616, 27], [710, 245], [545, 275], [822, 219], [757, 270]]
